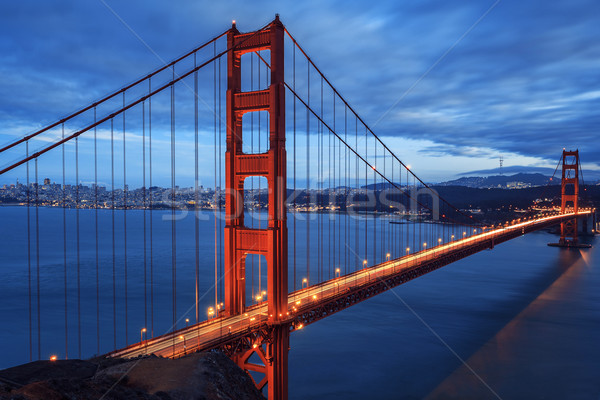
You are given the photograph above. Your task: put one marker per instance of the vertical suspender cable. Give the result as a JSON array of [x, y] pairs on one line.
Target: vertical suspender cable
[[259, 181], [338, 215], [408, 207], [332, 187], [294, 196], [320, 192], [308, 195], [338, 206], [145, 205], [419, 218], [346, 173], [322, 183], [252, 178], [37, 255], [384, 235], [215, 169], [375, 211], [390, 227], [221, 266], [64, 212], [357, 189], [367, 194], [78, 246], [416, 219], [125, 190], [29, 255], [196, 195], [173, 225], [151, 209], [112, 211], [400, 250], [96, 237]]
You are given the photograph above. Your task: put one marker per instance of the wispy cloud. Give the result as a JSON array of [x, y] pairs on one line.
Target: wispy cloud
[[523, 82]]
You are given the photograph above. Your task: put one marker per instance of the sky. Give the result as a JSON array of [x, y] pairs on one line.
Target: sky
[[449, 86]]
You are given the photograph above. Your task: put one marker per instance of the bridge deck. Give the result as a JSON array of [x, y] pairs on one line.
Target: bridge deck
[[318, 301]]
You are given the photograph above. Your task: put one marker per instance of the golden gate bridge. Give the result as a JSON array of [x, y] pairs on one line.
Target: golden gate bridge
[[254, 112]]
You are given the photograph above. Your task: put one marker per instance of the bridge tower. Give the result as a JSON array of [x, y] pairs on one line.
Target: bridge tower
[[240, 240], [569, 196]]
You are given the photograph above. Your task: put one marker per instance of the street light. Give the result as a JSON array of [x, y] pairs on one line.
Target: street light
[[424, 245], [407, 250], [337, 272], [365, 264], [53, 358], [452, 237], [184, 346], [210, 312], [439, 241], [304, 280], [387, 257], [142, 331], [187, 321]]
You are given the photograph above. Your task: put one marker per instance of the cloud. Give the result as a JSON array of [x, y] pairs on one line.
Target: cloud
[[523, 81]]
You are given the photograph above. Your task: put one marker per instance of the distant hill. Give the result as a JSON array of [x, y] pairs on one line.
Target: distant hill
[[515, 181]]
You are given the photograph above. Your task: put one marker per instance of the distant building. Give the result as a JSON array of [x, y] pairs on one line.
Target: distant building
[[46, 181], [518, 185]]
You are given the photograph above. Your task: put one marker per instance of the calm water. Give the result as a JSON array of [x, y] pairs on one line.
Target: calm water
[[524, 317]]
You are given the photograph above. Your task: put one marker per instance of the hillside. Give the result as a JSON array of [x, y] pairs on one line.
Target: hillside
[[502, 181]]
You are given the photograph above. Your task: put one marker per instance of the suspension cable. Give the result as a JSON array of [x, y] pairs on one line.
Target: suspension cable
[[365, 124], [110, 96], [368, 130], [130, 105], [368, 164]]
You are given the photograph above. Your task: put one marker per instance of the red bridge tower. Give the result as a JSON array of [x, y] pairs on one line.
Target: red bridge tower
[[569, 196], [272, 346]]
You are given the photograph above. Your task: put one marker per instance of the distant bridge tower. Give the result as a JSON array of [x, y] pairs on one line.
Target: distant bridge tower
[[272, 346], [569, 196]]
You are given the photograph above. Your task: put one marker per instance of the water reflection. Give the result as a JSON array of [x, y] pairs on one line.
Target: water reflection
[[523, 358]]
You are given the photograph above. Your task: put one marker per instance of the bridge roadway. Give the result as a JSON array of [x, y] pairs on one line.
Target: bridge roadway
[[308, 305]]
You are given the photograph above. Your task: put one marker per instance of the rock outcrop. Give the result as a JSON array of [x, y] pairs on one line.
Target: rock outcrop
[[199, 376]]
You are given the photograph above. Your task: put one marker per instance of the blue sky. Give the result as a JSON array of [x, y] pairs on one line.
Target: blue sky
[[450, 86]]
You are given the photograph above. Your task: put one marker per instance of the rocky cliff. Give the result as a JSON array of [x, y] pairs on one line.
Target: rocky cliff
[[205, 376]]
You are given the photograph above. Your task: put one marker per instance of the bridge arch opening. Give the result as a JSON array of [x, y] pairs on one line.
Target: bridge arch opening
[[255, 132], [255, 74], [256, 202], [256, 279]]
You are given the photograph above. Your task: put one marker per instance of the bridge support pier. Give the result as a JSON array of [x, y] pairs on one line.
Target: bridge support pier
[[266, 356], [277, 356]]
